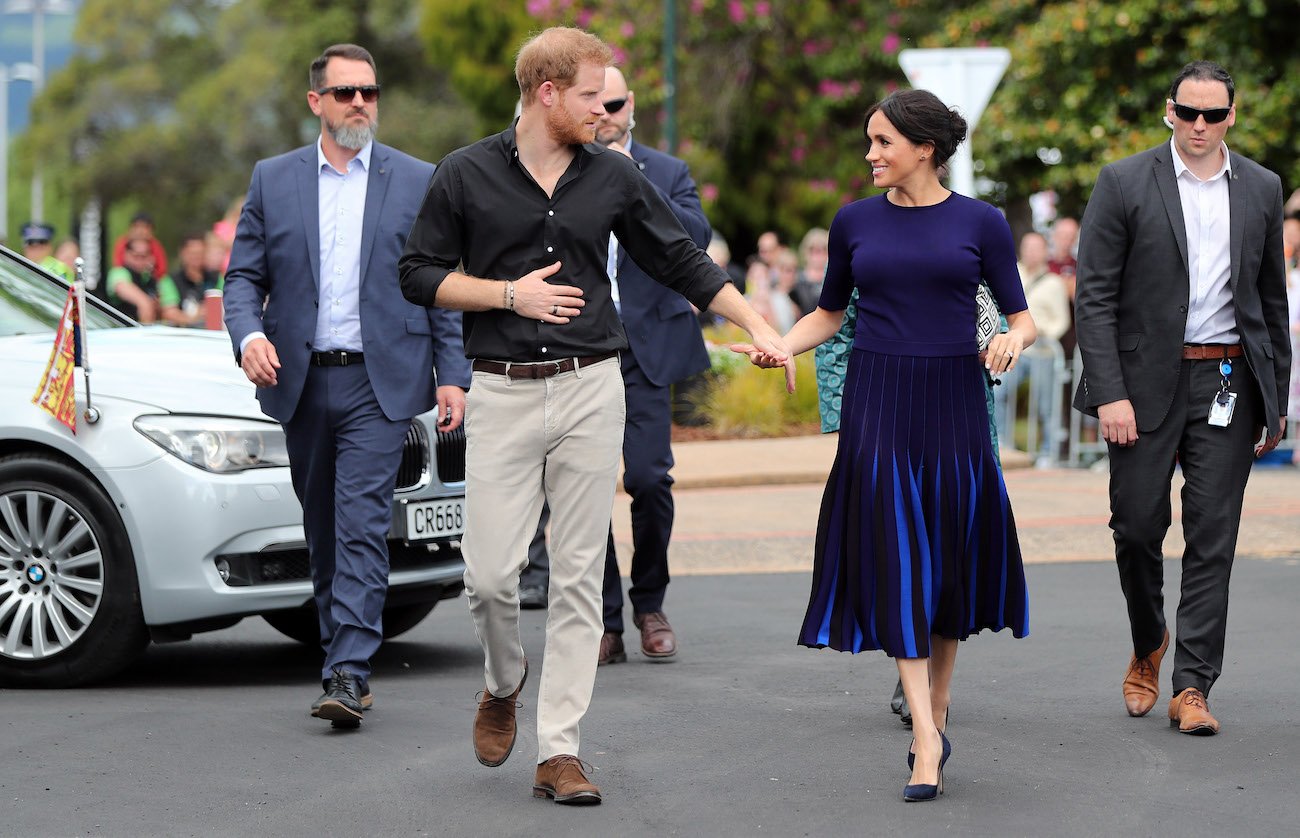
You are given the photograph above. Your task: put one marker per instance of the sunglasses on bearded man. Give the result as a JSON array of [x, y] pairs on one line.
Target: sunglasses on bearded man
[[345, 93]]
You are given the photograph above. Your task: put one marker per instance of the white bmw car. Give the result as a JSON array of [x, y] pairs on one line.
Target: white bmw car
[[173, 513]]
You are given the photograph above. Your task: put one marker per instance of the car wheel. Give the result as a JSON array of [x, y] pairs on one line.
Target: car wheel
[[69, 600], [399, 619], [301, 624]]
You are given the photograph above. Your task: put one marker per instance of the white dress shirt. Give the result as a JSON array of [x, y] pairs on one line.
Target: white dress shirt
[[1210, 316], [611, 263], [341, 208], [342, 205]]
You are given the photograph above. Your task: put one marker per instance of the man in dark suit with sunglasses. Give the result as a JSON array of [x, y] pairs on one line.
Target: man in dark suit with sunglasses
[[1182, 323], [339, 357]]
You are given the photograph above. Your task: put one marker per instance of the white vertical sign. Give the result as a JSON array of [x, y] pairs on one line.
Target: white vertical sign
[[964, 79]]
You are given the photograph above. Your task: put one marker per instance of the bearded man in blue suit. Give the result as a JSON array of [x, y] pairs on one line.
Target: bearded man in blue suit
[[339, 357]]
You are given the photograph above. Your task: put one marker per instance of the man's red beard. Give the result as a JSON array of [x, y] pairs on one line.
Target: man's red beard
[[564, 128]]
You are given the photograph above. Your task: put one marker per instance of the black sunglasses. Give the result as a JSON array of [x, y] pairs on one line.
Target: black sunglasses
[[345, 93], [1187, 113], [615, 105]]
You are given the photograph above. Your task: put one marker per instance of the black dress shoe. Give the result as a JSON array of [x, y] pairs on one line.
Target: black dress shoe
[[532, 597], [367, 698], [341, 703]]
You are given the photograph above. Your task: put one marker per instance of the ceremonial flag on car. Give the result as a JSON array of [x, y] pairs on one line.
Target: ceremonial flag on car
[[57, 394]]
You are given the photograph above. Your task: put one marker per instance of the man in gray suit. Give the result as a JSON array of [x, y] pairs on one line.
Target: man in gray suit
[[1182, 324], [339, 357]]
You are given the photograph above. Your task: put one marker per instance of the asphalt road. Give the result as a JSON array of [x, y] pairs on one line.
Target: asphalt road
[[745, 734]]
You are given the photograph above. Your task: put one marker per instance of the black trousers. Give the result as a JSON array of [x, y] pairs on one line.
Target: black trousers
[[1216, 464], [647, 461]]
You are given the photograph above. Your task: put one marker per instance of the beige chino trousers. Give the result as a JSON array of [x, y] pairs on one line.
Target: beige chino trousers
[[558, 438]]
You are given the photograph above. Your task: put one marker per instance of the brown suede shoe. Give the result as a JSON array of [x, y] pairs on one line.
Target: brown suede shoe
[[1142, 681], [611, 649], [562, 779], [657, 639], [1190, 714], [494, 725]]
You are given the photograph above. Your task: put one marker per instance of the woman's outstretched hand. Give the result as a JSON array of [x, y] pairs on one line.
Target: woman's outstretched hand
[[768, 360]]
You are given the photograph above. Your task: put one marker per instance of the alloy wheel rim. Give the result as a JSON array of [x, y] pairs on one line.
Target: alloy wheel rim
[[51, 575]]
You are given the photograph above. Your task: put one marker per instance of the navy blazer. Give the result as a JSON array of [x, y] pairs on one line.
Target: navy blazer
[[661, 326], [275, 262]]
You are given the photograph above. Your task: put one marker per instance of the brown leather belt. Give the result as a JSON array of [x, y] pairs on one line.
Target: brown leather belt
[[538, 369], [1211, 351]]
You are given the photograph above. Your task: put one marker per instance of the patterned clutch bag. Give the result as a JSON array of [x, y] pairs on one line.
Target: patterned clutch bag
[[987, 320]]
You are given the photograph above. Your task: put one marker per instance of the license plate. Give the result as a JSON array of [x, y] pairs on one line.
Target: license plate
[[435, 518]]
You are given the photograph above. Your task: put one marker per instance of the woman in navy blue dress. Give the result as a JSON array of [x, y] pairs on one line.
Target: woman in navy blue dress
[[916, 544]]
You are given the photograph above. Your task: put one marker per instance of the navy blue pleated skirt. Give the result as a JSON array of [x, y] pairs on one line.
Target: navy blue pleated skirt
[[916, 535]]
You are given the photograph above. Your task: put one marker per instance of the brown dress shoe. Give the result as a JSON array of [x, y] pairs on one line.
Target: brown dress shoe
[[494, 725], [657, 639], [562, 779], [611, 649], [1190, 714], [1142, 681]]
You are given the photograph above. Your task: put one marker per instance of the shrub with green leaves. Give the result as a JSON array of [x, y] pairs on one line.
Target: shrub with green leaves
[[745, 401]]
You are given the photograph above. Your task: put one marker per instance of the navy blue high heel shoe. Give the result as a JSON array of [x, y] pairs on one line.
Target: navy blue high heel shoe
[[921, 792], [911, 757]]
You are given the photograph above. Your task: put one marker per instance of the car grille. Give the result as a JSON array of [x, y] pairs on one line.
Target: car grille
[[449, 451], [291, 565], [451, 456], [415, 455]]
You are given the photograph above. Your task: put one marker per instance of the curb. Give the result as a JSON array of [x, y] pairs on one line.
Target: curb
[[778, 461]]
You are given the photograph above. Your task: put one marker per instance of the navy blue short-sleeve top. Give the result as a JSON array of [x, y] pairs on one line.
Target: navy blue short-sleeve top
[[917, 269]]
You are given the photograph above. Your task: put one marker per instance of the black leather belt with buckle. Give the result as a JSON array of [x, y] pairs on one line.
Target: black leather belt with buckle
[[337, 358]]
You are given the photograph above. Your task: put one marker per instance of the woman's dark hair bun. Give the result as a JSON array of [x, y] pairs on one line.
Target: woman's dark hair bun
[[920, 116]]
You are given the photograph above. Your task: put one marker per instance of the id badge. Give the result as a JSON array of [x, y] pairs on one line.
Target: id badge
[[1221, 409]]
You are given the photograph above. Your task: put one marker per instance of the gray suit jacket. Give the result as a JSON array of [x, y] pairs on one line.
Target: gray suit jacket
[[1133, 287], [273, 283]]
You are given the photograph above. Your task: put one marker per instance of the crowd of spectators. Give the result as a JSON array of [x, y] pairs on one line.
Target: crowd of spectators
[[138, 282]]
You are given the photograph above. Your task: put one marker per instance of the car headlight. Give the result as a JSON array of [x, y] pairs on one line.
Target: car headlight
[[218, 444]]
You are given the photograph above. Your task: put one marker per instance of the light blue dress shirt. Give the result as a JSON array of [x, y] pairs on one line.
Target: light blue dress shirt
[[342, 203]]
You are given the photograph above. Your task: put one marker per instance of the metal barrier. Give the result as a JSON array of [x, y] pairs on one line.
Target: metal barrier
[[1079, 449], [1043, 367]]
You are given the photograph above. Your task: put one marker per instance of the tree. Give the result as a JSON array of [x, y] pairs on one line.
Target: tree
[[169, 103], [1088, 81], [770, 95]]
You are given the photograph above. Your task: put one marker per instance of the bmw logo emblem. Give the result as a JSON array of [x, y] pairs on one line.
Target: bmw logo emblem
[[36, 574]]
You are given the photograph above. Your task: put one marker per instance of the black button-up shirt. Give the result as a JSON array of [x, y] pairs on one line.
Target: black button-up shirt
[[484, 215]]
